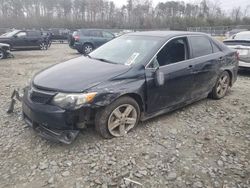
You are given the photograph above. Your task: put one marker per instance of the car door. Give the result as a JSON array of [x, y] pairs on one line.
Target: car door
[[20, 40], [207, 58], [97, 38], [34, 39], [174, 63]]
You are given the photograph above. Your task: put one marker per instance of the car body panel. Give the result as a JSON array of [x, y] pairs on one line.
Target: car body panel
[[185, 82], [71, 76]]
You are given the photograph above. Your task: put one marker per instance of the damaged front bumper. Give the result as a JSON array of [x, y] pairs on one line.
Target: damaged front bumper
[[50, 122], [64, 136]]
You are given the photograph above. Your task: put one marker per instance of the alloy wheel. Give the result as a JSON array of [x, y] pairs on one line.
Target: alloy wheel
[[1, 54], [222, 85], [88, 49], [122, 120]]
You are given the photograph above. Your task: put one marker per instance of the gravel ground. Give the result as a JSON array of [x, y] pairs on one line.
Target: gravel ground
[[205, 144]]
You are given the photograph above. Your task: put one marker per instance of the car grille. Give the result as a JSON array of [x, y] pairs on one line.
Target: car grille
[[41, 97]]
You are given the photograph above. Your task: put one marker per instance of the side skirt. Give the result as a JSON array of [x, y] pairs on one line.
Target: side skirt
[[146, 116]]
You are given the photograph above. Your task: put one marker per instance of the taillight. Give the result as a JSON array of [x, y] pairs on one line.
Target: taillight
[[77, 37], [237, 56]]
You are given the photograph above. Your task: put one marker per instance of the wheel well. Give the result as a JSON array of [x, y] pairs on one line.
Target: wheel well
[[231, 76], [137, 98]]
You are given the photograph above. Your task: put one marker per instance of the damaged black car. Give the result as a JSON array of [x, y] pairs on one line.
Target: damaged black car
[[132, 78]]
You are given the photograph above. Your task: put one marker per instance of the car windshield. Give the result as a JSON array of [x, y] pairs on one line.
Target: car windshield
[[126, 50], [10, 34], [242, 36]]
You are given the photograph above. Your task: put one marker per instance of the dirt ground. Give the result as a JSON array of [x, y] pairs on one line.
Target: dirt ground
[[206, 144]]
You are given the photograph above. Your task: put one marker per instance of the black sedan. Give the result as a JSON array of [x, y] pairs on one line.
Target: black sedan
[[129, 79], [23, 39]]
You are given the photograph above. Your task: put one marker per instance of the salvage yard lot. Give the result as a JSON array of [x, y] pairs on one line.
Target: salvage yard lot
[[205, 144]]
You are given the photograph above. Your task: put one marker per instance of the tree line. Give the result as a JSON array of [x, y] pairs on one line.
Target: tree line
[[135, 14]]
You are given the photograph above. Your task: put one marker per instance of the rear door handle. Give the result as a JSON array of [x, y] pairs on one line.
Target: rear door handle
[[190, 66]]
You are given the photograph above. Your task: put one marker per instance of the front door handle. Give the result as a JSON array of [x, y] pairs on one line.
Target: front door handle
[[190, 66]]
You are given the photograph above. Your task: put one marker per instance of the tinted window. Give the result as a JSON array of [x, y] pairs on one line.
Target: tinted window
[[96, 33], [201, 46], [34, 34], [86, 33], [174, 51], [107, 34]]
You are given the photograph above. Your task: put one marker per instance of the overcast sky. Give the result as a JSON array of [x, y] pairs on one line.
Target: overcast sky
[[224, 4]]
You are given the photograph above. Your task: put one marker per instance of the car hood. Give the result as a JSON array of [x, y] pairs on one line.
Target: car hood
[[77, 75], [4, 38]]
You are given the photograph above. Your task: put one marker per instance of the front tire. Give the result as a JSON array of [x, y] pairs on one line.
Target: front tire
[[2, 54], [221, 87], [118, 118]]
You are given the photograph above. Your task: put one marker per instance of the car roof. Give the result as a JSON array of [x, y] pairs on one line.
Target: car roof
[[244, 32], [165, 34]]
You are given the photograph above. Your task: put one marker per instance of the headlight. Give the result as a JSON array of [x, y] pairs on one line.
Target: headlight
[[72, 101]]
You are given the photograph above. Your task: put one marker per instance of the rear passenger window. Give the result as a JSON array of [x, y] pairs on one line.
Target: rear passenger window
[[96, 33], [201, 46]]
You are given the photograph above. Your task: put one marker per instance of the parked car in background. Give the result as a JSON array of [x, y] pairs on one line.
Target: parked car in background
[[134, 77], [23, 39], [59, 34], [231, 33], [241, 43], [4, 50], [86, 40]]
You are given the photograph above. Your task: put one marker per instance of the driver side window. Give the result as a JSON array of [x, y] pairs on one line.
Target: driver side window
[[174, 51]]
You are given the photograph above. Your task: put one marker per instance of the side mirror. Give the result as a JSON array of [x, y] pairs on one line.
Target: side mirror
[[159, 78], [15, 36]]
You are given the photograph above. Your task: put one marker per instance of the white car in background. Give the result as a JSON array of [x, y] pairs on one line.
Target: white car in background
[[241, 43]]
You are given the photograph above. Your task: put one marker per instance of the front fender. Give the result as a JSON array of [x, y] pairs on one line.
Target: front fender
[[108, 93]]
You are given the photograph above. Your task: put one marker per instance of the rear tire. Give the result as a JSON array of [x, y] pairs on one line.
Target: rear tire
[[87, 48], [108, 125], [221, 87]]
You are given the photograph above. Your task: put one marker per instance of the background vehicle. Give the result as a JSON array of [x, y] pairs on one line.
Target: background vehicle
[[86, 40], [4, 50], [233, 32], [241, 43], [59, 34], [131, 78], [22, 39]]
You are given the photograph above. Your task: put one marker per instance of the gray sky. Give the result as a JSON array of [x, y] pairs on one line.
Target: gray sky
[[224, 4]]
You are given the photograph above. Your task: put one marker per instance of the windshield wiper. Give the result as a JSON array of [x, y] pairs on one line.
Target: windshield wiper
[[105, 60]]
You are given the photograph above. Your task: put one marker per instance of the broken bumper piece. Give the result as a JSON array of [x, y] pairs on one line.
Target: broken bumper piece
[[64, 136]]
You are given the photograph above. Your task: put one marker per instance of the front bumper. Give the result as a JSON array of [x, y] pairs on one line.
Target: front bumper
[[51, 122], [77, 46]]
